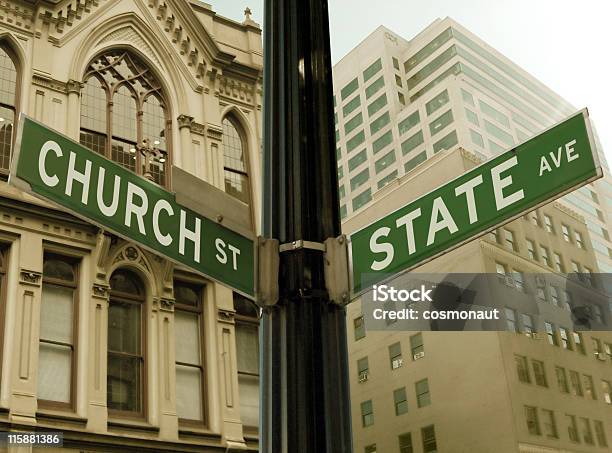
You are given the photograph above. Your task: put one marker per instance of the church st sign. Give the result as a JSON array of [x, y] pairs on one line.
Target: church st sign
[[59, 170], [536, 172]]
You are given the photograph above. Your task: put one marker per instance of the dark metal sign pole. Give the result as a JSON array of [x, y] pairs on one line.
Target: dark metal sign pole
[[305, 404]]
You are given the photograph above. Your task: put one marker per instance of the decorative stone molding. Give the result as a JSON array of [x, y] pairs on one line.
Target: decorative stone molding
[[31, 278], [49, 83], [166, 304], [236, 89], [568, 211], [470, 156], [184, 121], [198, 128], [225, 316], [68, 14], [128, 34], [100, 291], [74, 86], [131, 253], [13, 14], [214, 132]]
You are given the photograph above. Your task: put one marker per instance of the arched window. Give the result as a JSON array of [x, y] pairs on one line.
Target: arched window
[[126, 356], [8, 103], [123, 114], [235, 164]]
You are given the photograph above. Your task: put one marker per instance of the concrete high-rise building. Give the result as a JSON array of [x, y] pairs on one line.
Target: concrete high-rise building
[[544, 386], [399, 102], [412, 115], [112, 345]]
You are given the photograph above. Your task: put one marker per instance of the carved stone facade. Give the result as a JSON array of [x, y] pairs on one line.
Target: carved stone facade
[[206, 74]]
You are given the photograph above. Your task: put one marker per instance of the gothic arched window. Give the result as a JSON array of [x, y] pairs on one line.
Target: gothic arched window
[[123, 114], [235, 163], [8, 103]]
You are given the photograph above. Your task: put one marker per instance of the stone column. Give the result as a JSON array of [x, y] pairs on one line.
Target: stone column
[[184, 158], [73, 119], [27, 329], [168, 421], [214, 156]]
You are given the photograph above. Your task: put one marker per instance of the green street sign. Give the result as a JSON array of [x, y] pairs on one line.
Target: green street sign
[[60, 170], [532, 174]]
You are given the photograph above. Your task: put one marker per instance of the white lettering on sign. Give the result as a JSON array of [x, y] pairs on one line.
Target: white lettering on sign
[[132, 209], [74, 175], [49, 180], [384, 247], [161, 205], [499, 184], [221, 255], [557, 158], [467, 188], [193, 236], [137, 203], [447, 222], [407, 222], [110, 210]]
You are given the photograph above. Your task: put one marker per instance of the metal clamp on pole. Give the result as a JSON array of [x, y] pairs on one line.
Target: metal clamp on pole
[[301, 244], [267, 271], [337, 278]]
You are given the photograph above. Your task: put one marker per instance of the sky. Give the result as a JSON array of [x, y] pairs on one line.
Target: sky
[[565, 44]]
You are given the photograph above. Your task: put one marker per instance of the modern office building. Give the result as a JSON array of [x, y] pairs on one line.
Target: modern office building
[[399, 102], [114, 346], [543, 386]]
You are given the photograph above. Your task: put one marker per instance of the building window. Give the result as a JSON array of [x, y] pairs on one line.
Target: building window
[[367, 413], [189, 333], [531, 250], [533, 424], [405, 443], [565, 341], [545, 255], [572, 428], [428, 434], [606, 390], [578, 342], [535, 219], [511, 323], [137, 113], [370, 449], [562, 379], [8, 105], [554, 295], [247, 352], [422, 393], [579, 239], [550, 424], [576, 386], [126, 354], [548, 223], [235, 163], [395, 356], [600, 433], [551, 334], [58, 315], [589, 386], [567, 236], [501, 269], [559, 267], [519, 279], [585, 428], [509, 238], [359, 327], [521, 368], [400, 401], [363, 369], [539, 373], [416, 346], [528, 328], [494, 236], [598, 313], [575, 267]]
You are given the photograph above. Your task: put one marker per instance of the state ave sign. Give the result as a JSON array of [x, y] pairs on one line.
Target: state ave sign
[[534, 173], [57, 169]]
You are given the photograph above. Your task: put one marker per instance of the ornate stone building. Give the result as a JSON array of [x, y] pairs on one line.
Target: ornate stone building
[[114, 346]]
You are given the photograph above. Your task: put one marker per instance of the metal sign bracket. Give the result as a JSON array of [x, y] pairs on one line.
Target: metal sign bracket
[[335, 252]]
